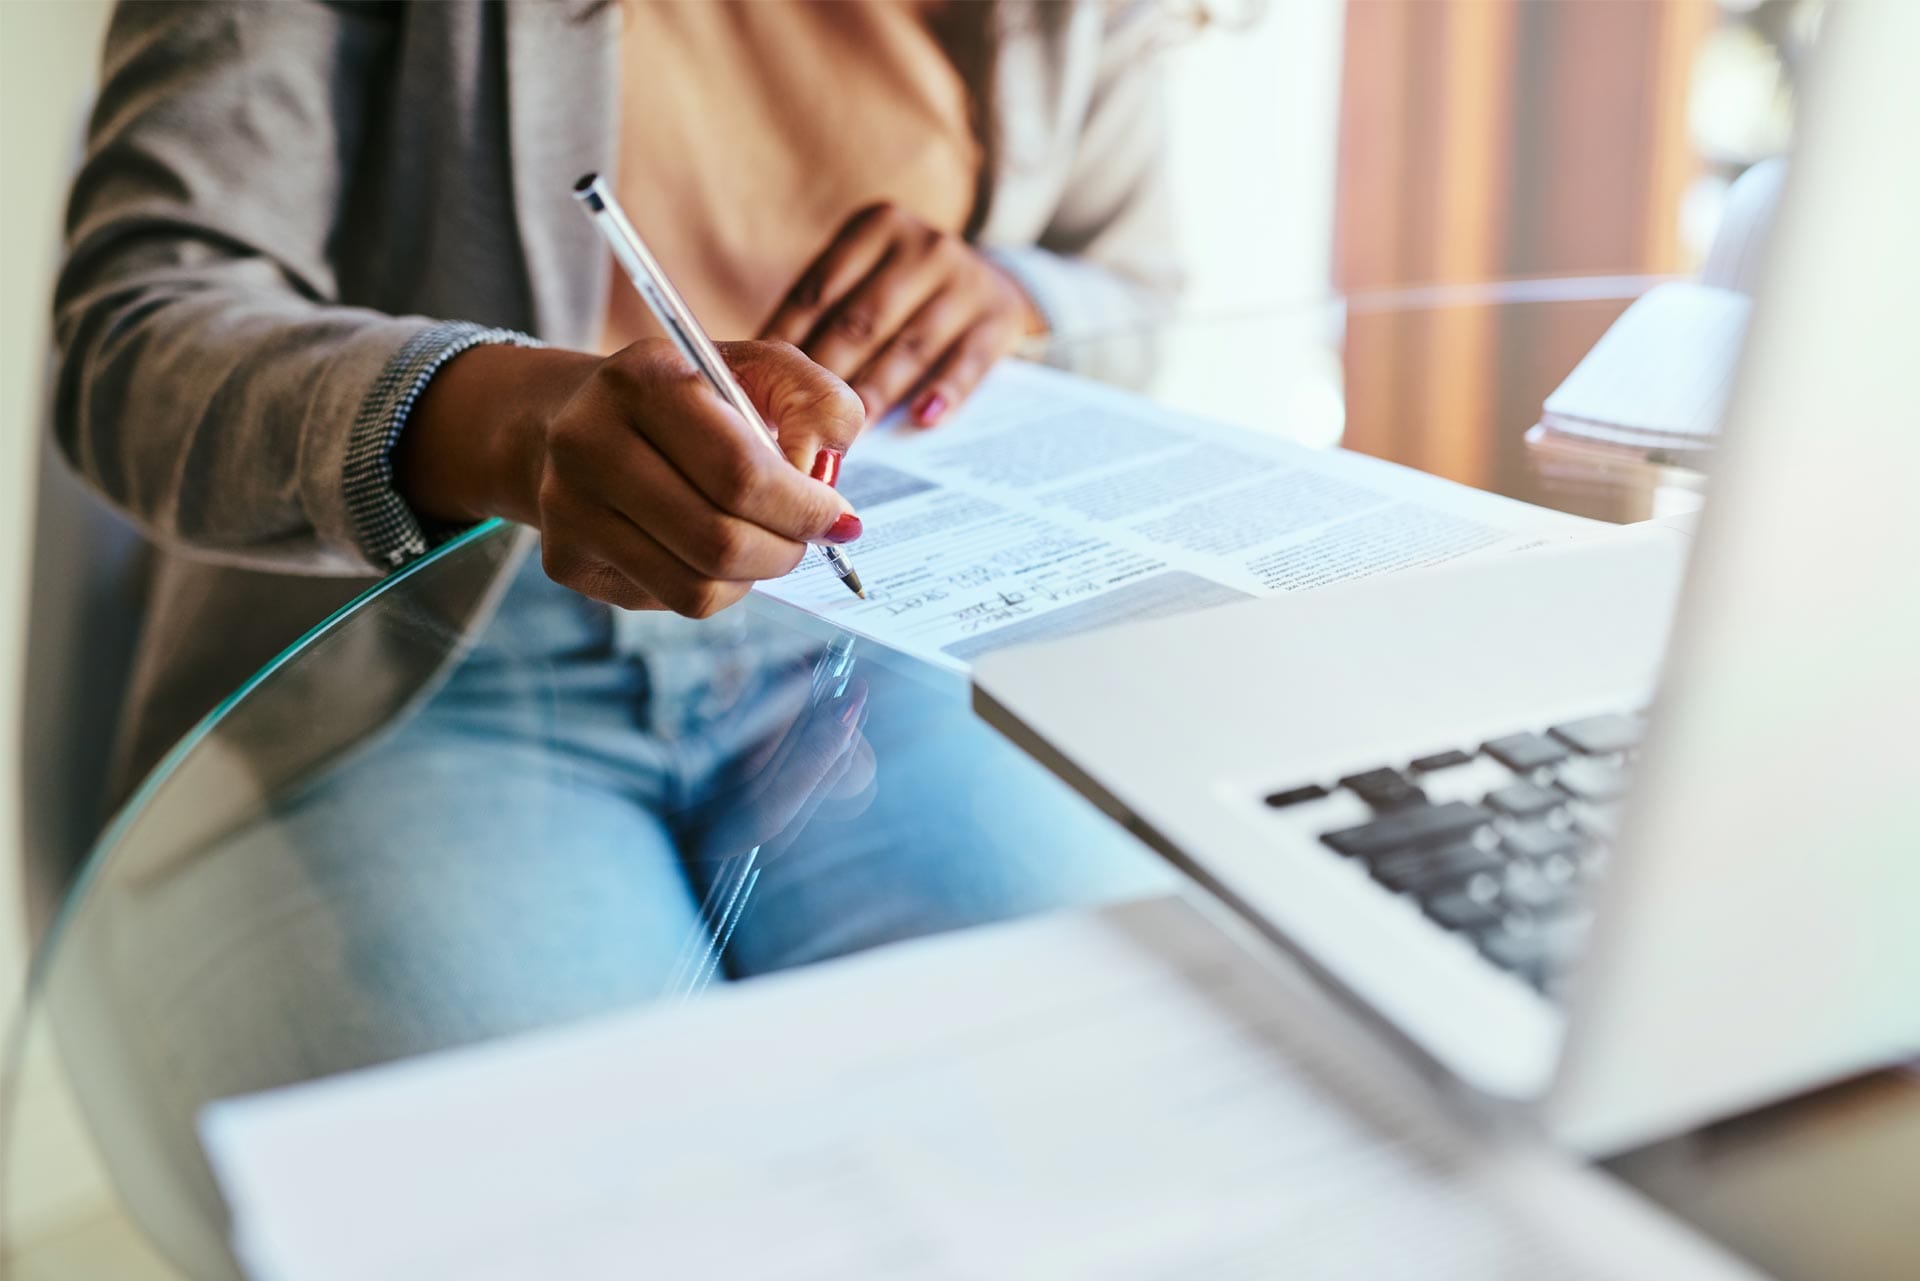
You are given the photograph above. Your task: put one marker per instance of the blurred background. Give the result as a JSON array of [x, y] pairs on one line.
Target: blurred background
[[1403, 154], [1362, 173]]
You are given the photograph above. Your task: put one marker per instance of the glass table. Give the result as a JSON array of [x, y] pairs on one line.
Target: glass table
[[471, 804]]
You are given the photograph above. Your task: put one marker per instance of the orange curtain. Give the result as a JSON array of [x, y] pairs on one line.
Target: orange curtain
[[1486, 139]]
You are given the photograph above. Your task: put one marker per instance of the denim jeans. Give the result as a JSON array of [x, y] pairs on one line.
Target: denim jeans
[[532, 845]]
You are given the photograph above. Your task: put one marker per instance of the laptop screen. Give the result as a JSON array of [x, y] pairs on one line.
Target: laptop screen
[[1758, 937]]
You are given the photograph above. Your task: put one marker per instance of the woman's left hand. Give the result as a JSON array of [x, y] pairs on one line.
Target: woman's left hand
[[814, 756], [900, 309]]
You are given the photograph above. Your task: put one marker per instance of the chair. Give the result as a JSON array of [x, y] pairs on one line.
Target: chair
[[87, 588]]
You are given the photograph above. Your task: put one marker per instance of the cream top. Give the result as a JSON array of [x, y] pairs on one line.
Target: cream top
[[749, 132]]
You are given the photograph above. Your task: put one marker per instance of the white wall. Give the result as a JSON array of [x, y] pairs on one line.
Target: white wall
[[48, 52], [1255, 132]]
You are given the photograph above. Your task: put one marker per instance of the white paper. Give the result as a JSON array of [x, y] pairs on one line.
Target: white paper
[[1661, 375], [1117, 1094], [1052, 505]]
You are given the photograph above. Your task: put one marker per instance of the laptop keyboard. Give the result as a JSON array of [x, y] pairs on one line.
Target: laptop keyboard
[[1501, 844]]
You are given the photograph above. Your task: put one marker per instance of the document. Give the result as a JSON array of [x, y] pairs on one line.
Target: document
[[1123, 1093], [1051, 505], [1659, 379]]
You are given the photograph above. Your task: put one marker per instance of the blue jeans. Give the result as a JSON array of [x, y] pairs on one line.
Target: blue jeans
[[532, 846]]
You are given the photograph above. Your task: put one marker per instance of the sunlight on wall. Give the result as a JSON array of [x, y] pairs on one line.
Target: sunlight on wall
[[1254, 139]]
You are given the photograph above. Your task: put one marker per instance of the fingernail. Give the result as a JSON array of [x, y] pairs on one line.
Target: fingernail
[[932, 407], [826, 465], [844, 530], [852, 703]]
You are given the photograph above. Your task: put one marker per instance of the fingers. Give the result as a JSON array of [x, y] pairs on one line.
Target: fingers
[[653, 492], [710, 542], [855, 250], [604, 555], [844, 318], [856, 783], [726, 459], [894, 304], [806, 769], [872, 311], [899, 367], [821, 750], [960, 369], [809, 407]]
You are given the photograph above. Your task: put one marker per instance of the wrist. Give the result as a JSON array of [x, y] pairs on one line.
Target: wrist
[[473, 447], [1032, 321]]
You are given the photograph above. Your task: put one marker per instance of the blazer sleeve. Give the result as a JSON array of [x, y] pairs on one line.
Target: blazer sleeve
[[210, 383], [1105, 272]]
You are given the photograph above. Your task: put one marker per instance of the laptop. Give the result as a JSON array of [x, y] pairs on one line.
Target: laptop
[[1626, 831]]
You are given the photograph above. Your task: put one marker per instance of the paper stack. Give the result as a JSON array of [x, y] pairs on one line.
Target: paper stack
[[1655, 387]]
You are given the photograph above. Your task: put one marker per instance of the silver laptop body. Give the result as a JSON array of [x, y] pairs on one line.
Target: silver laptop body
[[1748, 911]]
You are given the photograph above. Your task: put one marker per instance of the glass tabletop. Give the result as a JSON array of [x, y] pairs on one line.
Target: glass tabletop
[[471, 803]]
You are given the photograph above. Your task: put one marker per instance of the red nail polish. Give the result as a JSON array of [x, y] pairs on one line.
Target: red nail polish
[[853, 702], [826, 465], [844, 530], [931, 410]]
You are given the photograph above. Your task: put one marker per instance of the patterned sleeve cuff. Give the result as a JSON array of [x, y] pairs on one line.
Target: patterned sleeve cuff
[[389, 532]]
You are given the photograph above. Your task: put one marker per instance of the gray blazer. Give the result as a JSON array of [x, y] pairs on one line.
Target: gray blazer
[[290, 213]]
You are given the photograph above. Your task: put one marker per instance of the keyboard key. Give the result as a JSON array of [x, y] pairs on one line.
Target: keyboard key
[[1537, 892], [1600, 735], [1384, 789], [1562, 869], [1295, 795], [1470, 782], [1409, 828], [1524, 753], [1439, 760], [1537, 948], [1601, 823], [1591, 780], [1462, 910], [1523, 799], [1538, 840], [1425, 871]]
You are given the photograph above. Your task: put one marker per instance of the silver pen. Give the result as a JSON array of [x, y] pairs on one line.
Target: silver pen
[[671, 310]]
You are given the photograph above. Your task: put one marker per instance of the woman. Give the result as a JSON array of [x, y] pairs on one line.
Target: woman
[[309, 249], [277, 196]]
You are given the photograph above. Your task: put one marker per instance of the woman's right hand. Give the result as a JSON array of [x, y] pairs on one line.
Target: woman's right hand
[[648, 490]]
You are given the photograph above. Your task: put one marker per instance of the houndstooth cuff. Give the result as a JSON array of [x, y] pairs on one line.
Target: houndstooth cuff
[[388, 531]]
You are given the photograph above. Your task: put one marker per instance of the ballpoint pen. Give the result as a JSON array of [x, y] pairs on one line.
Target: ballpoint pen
[[671, 310]]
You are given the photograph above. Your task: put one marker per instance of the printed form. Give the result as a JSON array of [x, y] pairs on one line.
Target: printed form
[[1053, 505], [1123, 1094]]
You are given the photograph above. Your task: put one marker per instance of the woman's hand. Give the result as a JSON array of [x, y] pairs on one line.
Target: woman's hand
[[649, 492], [815, 758], [901, 309]]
